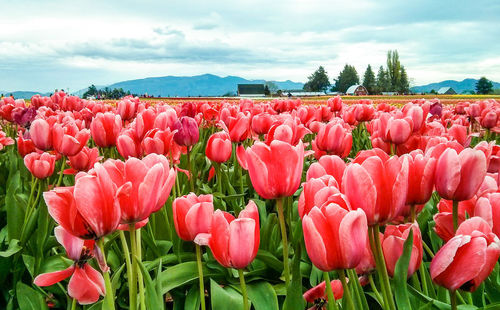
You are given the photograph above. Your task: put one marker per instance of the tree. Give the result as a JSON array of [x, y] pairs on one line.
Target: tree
[[394, 69], [266, 90], [484, 86], [318, 81], [383, 81], [347, 77], [404, 84], [273, 88], [91, 92], [433, 91], [369, 81]]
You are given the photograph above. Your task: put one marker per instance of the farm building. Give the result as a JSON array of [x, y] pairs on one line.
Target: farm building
[[357, 90], [251, 90], [303, 93], [446, 91]]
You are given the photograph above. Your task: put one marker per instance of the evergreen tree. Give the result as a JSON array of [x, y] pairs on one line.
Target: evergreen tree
[[318, 81], [383, 81], [369, 81], [484, 86], [394, 69], [347, 77], [404, 84]]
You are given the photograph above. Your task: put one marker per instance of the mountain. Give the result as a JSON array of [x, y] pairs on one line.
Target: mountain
[[23, 94], [464, 86], [199, 85]]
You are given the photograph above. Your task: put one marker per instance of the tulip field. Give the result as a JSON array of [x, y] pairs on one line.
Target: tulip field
[[242, 204]]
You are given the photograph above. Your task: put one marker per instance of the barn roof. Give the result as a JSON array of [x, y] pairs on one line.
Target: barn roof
[[443, 90], [251, 89], [352, 89]]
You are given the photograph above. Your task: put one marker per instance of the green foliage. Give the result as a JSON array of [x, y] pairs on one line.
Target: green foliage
[[106, 93], [394, 69], [484, 86], [318, 81], [369, 81], [347, 77], [383, 80]]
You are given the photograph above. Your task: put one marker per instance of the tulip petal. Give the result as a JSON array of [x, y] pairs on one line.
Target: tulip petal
[[51, 278]]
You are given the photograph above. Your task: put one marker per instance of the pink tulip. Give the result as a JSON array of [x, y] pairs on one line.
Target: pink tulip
[[421, 170], [219, 147], [187, 131], [392, 246], [234, 242], [68, 139], [328, 164], [105, 128], [41, 134], [316, 192], [488, 208], [319, 292], [192, 215], [334, 139], [84, 160], [41, 165]]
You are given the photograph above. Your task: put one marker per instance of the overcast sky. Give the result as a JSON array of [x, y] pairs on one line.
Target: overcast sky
[[59, 44]]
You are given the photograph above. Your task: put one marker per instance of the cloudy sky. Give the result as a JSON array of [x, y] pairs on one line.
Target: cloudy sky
[[71, 44]]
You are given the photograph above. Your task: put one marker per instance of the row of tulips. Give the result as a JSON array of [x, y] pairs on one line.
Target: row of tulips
[[274, 205]]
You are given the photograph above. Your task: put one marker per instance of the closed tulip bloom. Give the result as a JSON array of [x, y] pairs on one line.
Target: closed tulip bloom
[[334, 139], [327, 164], [95, 199], [219, 147], [127, 108], [335, 237], [392, 246], [290, 130], [489, 118], [238, 127], [187, 131], [86, 284], [276, 169], [377, 186], [261, 123], [458, 176], [41, 165], [399, 130], [128, 145], [41, 134], [68, 139], [84, 160], [105, 128], [166, 119], [467, 259], [233, 242], [488, 208], [421, 170], [335, 103], [192, 215], [25, 145], [316, 192]]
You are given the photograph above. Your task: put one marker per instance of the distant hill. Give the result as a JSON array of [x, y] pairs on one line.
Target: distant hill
[[23, 94], [186, 86], [464, 86]]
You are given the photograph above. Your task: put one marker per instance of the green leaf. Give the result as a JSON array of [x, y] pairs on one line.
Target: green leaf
[[401, 274], [153, 301], [29, 262], [55, 263], [13, 248], [270, 260], [15, 215], [262, 296], [225, 298], [115, 280], [294, 299], [183, 273], [437, 304], [193, 298], [29, 299]]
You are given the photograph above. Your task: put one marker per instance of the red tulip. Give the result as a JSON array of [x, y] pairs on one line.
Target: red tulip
[[68, 139], [4, 140], [334, 139], [187, 131], [86, 283], [105, 128], [127, 108], [489, 118], [378, 186], [219, 147], [319, 292], [128, 145], [335, 237], [392, 246], [238, 127], [399, 130], [335, 104], [25, 146], [261, 123], [444, 218], [234, 242], [85, 160], [458, 176], [328, 164], [421, 170], [41, 134], [95, 199], [143, 123], [192, 215], [166, 119], [488, 208], [467, 259], [290, 130], [41, 165], [316, 192], [275, 170]]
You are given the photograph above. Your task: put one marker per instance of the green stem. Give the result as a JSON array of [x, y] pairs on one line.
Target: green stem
[[455, 215], [286, 267], [109, 299], [200, 277], [240, 177], [63, 164], [133, 279], [332, 304], [377, 267], [423, 281], [73, 304], [358, 290], [383, 269], [140, 279], [453, 300], [191, 176], [219, 177], [374, 289], [347, 292], [128, 263], [427, 249], [243, 289]]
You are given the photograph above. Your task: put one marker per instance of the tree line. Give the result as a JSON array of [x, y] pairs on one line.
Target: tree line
[[105, 93], [392, 78]]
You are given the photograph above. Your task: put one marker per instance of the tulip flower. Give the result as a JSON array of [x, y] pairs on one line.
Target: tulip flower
[[41, 134], [393, 242], [261, 123], [238, 127], [25, 145], [444, 218], [275, 170], [334, 139], [318, 294], [41, 165], [316, 192], [128, 145], [68, 139], [86, 284], [467, 259], [84, 160], [488, 208], [219, 147], [187, 131], [335, 104], [105, 128], [328, 164], [166, 119], [290, 130], [127, 108], [192, 215]]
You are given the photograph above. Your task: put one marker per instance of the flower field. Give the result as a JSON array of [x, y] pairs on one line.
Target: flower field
[[317, 203]]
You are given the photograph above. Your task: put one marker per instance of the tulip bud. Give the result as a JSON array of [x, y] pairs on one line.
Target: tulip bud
[[187, 131]]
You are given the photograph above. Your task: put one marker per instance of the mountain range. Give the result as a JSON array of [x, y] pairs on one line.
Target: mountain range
[[465, 86], [212, 85]]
